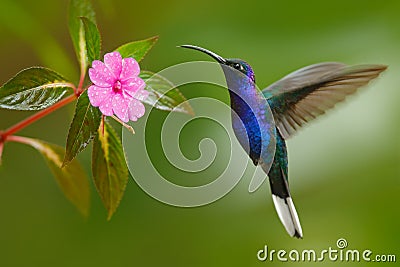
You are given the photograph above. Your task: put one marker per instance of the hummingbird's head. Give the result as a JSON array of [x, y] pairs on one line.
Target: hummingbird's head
[[235, 64], [241, 66]]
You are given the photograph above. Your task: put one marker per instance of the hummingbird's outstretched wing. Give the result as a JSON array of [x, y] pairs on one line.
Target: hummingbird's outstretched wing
[[308, 92]]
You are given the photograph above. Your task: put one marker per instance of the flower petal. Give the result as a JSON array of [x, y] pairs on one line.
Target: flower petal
[[106, 107], [136, 110], [100, 75], [130, 68], [98, 94], [141, 95], [133, 85], [113, 61], [120, 107]]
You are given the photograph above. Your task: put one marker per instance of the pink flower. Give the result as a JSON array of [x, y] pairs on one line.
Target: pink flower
[[116, 88]]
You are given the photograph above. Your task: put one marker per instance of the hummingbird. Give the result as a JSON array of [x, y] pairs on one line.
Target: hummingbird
[[263, 120]]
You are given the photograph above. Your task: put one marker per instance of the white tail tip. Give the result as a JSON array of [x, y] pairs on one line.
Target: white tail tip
[[288, 215]]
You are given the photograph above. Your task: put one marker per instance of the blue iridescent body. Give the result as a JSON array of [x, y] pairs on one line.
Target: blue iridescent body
[[250, 116], [263, 120], [252, 121]]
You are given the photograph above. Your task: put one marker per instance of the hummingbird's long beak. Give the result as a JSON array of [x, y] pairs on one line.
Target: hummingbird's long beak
[[208, 52]]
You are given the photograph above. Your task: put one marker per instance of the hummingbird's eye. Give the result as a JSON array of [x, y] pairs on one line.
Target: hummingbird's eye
[[237, 66]]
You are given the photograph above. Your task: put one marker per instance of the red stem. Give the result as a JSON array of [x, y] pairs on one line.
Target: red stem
[[80, 89], [19, 126], [1, 150], [20, 139]]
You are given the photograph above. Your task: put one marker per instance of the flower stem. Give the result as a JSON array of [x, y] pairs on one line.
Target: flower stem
[[80, 89], [1, 149], [124, 124], [20, 139], [19, 126]]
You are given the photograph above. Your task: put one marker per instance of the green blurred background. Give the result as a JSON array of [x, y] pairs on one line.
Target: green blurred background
[[344, 167]]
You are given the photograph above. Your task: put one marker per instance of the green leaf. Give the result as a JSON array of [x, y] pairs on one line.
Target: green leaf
[[137, 49], [71, 179], [78, 9], [93, 41], [83, 128], [163, 94], [33, 89], [109, 168]]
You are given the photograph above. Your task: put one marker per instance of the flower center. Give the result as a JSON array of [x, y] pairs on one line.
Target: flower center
[[117, 87]]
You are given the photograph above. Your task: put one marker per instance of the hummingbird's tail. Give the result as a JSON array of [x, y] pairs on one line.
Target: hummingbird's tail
[[284, 206], [278, 181]]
